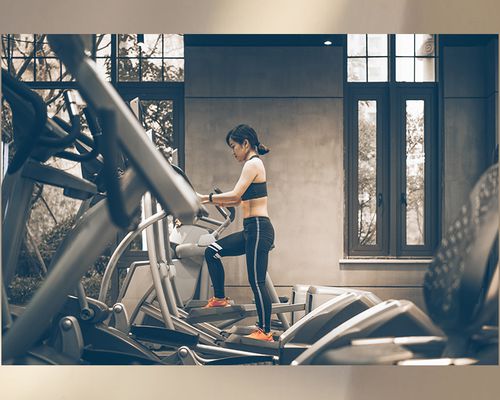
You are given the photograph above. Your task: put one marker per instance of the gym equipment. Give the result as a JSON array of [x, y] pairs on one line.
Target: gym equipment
[[188, 266], [137, 290], [80, 327], [461, 294], [319, 321], [389, 318], [79, 249]]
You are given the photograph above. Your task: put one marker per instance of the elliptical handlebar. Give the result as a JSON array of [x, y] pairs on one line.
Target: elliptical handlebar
[[16, 89], [172, 192], [232, 211], [41, 132]]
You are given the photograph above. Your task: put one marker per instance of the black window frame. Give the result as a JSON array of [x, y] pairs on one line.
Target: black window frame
[[145, 90], [151, 90], [391, 96]]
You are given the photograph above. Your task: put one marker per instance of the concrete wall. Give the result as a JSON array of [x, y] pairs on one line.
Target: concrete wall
[[293, 97], [492, 94], [470, 93]]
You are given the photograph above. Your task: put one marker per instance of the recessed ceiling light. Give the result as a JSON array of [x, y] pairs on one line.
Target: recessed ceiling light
[[327, 42]]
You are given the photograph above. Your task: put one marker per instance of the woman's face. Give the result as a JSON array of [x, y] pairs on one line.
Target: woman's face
[[239, 150]]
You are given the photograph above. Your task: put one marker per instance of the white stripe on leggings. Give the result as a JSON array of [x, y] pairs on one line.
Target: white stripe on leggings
[[255, 276], [216, 255], [214, 248]]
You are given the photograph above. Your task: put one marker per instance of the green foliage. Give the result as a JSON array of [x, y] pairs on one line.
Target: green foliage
[[92, 283], [22, 288], [29, 279], [52, 239]]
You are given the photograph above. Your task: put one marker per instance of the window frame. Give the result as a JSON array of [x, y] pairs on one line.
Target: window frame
[[391, 222], [376, 91], [153, 90], [427, 92], [145, 90]]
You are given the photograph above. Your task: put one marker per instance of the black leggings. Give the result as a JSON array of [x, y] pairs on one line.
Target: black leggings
[[255, 241]]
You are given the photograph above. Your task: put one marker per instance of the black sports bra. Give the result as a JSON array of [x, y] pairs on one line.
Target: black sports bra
[[255, 190]]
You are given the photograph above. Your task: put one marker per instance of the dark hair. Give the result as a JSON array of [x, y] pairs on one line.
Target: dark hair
[[242, 132]]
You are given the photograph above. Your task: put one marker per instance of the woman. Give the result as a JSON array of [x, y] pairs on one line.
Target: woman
[[257, 237]]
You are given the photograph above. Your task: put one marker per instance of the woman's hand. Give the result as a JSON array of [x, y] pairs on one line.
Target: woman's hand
[[203, 198]]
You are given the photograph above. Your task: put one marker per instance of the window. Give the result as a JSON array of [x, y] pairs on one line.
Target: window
[[102, 54], [367, 58], [150, 58], [150, 67], [30, 58], [391, 139], [146, 67], [413, 58]]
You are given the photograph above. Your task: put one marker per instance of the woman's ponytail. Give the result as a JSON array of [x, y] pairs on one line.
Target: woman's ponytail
[[262, 149], [244, 132]]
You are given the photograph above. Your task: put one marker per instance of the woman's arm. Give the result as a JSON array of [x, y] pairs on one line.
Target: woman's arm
[[233, 197], [229, 204], [205, 200]]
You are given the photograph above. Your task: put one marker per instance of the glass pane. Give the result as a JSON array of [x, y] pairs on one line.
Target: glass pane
[[356, 45], [424, 70], [5, 64], [55, 102], [5, 46], [404, 69], [151, 69], [6, 118], [48, 69], [42, 47], [377, 45], [404, 45], [174, 69], [128, 69], [377, 70], [173, 45], [104, 67], [127, 45], [103, 45], [23, 68], [367, 172], [137, 244], [415, 172], [22, 45], [424, 45], [152, 46], [158, 115], [356, 69]]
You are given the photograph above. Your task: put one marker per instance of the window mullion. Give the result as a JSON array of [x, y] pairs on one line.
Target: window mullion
[[114, 59], [393, 173], [392, 58], [384, 169]]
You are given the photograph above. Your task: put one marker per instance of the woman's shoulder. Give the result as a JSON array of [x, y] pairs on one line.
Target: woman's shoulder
[[255, 162]]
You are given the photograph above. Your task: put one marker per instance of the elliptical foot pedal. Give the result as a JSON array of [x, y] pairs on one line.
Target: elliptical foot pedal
[[193, 304], [247, 344], [216, 314], [164, 336]]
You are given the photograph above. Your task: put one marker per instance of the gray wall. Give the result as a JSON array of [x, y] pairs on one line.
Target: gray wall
[[470, 93], [293, 97]]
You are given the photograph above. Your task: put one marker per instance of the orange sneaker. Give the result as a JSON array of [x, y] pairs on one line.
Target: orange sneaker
[[259, 334], [216, 302]]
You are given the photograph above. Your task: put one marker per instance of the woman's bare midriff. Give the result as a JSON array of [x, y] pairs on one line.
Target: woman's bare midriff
[[255, 208]]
